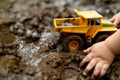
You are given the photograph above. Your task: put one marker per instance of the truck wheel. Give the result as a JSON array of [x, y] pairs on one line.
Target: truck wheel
[[73, 43], [102, 37]]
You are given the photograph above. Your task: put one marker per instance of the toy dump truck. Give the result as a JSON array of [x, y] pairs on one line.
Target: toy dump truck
[[88, 28]]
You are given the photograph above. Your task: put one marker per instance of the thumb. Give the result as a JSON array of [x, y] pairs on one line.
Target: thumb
[[87, 50]]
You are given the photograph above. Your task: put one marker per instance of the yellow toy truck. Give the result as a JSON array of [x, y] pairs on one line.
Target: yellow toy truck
[[88, 28]]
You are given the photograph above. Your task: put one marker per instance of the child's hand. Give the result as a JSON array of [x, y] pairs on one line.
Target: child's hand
[[116, 19], [99, 58]]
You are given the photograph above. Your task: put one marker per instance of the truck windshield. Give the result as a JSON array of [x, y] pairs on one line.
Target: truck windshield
[[91, 22], [97, 21], [94, 22]]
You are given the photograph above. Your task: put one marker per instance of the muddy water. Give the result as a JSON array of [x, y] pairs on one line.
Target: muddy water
[[28, 45]]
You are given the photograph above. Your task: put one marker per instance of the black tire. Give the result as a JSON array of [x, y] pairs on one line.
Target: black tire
[[73, 38], [101, 37]]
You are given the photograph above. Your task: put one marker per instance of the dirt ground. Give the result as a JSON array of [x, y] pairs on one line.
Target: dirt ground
[[28, 44]]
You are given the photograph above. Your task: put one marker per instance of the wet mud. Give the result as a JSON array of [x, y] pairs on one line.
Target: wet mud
[[28, 44]]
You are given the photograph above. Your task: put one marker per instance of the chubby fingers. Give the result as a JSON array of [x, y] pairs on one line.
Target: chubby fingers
[[100, 70], [90, 66], [115, 21], [104, 69], [97, 70], [112, 19], [86, 59]]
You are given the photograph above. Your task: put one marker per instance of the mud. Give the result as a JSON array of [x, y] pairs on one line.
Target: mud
[[61, 66], [66, 24], [28, 44]]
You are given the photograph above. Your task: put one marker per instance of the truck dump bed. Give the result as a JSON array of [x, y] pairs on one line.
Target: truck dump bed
[[66, 21], [69, 25]]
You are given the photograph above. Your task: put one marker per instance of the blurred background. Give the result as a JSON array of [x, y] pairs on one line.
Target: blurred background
[[56, 8]]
